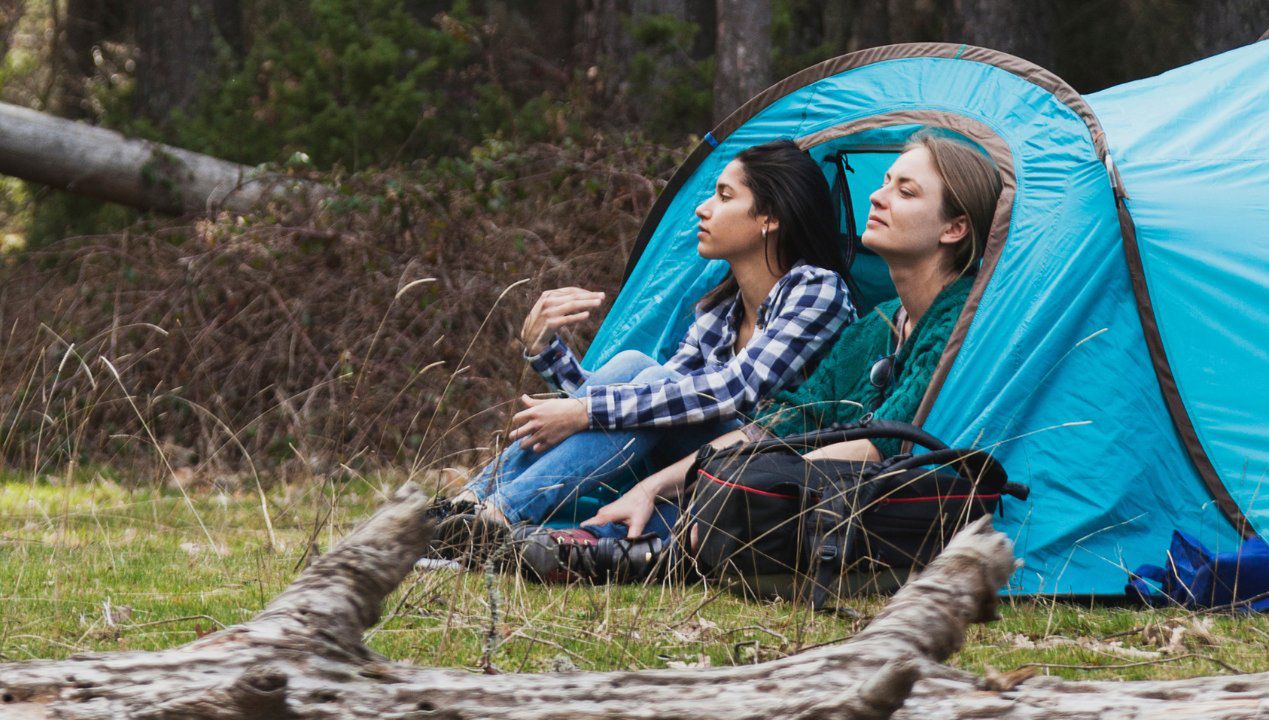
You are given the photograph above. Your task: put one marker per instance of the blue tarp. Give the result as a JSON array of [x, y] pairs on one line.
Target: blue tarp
[[1055, 375]]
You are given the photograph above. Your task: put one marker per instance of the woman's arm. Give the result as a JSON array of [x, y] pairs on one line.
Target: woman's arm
[[546, 352], [635, 507], [546, 423], [849, 450], [815, 310], [558, 366]]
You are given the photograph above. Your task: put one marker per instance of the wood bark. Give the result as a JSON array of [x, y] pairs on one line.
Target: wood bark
[[104, 164], [553, 24], [742, 53], [303, 657]]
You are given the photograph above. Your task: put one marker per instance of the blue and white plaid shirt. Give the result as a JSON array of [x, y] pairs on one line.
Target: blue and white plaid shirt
[[799, 318]]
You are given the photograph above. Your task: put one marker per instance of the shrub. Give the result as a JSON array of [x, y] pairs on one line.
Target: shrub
[[302, 334]]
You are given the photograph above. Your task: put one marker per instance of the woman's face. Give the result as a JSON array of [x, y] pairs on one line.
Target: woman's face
[[728, 229], [906, 218]]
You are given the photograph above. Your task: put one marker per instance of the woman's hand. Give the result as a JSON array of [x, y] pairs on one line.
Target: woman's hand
[[554, 310], [543, 424], [632, 510]]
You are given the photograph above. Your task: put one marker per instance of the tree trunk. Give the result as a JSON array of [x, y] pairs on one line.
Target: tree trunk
[[869, 24], [104, 164], [11, 12], [915, 21], [303, 657], [601, 36], [88, 25], [553, 23], [178, 54], [742, 53], [704, 14], [1018, 27], [1226, 24], [836, 21]]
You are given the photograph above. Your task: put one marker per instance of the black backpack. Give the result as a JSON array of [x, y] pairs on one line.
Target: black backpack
[[767, 516]]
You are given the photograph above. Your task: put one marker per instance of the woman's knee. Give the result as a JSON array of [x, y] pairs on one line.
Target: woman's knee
[[654, 373], [622, 367]]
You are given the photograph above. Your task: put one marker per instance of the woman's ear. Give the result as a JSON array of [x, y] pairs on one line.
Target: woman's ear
[[955, 230], [771, 223]]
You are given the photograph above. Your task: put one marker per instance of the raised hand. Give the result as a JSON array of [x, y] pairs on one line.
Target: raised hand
[[554, 310]]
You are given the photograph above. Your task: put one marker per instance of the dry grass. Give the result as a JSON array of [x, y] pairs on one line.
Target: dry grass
[[375, 330]]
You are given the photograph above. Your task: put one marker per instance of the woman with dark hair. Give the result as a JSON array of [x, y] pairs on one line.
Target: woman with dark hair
[[929, 221], [772, 219]]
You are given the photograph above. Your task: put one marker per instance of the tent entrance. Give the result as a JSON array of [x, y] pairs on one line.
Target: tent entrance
[[873, 143], [854, 172]]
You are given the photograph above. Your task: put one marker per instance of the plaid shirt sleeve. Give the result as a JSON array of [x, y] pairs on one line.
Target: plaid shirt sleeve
[[813, 310], [558, 366]]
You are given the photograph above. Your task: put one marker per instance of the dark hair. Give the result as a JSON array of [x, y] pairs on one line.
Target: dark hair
[[971, 187], [788, 185]]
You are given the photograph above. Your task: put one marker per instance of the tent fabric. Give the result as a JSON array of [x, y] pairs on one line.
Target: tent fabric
[[1053, 370], [1192, 146]]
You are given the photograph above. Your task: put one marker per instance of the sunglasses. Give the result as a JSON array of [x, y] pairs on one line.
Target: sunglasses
[[882, 372]]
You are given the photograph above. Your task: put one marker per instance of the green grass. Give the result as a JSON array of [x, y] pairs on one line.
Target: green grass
[[90, 565]]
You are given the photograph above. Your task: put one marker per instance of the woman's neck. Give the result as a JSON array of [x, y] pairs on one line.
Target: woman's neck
[[755, 277], [918, 284]]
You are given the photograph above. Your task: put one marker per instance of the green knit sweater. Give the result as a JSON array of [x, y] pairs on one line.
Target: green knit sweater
[[838, 391]]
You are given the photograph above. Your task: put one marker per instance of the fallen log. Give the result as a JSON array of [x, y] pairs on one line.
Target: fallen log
[[107, 165], [303, 656]]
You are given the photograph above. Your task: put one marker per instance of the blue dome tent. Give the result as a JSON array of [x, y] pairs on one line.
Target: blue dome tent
[[1114, 353]]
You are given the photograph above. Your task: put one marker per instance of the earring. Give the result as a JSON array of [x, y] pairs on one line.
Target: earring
[[764, 233]]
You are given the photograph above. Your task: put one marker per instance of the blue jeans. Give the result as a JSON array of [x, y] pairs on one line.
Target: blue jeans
[[532, 487]]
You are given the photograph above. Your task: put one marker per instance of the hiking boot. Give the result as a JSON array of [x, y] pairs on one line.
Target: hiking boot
[[568, 555], [440, 508], [470, 538], [437, 512]]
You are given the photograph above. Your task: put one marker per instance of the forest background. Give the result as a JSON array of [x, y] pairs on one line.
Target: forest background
[[191, 407]]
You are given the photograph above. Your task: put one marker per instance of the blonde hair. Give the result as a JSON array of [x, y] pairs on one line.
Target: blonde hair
[[971, 187]]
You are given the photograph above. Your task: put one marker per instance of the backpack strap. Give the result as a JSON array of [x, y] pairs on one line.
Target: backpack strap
[[978, 463], [835, 546], [828, 436], [855, 431]]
